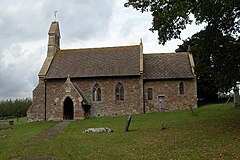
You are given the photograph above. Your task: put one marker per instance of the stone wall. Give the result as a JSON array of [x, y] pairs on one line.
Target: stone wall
[[108, 106], [36, 111], [167, 91], [52, 90]]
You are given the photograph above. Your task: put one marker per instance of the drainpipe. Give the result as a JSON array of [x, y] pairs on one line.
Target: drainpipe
[[143, 93], [143, 97], [45, 99]]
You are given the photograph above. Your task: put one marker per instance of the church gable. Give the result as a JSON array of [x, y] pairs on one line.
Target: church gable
[[69, 96], [68, 89]]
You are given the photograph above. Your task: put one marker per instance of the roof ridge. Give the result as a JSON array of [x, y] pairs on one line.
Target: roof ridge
[[166, 53], [100, 48], [158, 53]]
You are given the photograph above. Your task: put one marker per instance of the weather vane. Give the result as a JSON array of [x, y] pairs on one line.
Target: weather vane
[[55, 15]]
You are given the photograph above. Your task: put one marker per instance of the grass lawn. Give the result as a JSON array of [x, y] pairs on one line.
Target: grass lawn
[[214, 133]]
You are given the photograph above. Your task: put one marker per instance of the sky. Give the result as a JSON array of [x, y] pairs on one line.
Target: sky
[[24, 26]]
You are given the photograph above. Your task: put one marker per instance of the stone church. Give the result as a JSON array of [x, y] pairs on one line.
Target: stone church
[[110, 81]]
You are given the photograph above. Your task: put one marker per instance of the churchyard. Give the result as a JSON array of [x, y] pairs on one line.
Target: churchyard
[[212, 132]]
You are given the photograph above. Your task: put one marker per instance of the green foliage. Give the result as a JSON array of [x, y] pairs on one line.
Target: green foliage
[[171, 17], [217, 61], [17, 108], [211, 134]]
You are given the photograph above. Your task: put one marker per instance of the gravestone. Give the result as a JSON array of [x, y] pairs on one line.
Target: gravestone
[[128, 123], [193, 113], [10, 123], [163, 126]]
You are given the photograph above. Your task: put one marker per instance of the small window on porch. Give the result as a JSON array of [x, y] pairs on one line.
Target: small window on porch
[[119, 92], [181, 88], [96, 93], [150, 94]]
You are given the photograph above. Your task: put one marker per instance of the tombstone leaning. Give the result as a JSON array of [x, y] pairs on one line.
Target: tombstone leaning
[[128, 123]]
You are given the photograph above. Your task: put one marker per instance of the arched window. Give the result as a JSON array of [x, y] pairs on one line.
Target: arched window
[[181, 88], [96, 93], [119, 92], [149, 94]]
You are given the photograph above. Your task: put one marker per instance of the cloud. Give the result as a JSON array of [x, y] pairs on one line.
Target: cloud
[[82, 20], [21, 21], [18, 64]]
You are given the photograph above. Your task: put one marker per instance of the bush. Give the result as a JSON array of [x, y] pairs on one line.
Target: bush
[[16, 108]]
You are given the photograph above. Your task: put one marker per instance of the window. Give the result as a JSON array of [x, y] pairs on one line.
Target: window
[[181, 88], [96, 93], [119, 92], [149, 94]]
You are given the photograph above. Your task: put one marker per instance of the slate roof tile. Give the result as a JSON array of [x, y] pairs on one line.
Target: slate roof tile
[[118, 61], [167, 66], [96, 62]]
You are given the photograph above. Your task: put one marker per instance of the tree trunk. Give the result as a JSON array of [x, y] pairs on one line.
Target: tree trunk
[[236, 97]]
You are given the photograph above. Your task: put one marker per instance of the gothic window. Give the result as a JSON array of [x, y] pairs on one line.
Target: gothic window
[[181, 88], [149, 94], [119, 92], [96, 93]]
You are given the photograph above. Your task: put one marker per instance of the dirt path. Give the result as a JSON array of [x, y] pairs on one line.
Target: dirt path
[[52, 132]]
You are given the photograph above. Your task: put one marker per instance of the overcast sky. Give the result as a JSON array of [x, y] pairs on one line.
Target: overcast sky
[[24, 26]]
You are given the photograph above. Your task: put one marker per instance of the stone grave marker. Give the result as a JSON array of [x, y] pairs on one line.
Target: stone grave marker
[[128, 123]]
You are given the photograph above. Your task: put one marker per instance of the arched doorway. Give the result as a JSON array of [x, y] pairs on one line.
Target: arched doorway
[[68, 109]]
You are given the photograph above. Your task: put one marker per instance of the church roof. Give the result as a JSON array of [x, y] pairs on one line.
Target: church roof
[[96, 62], [167, 66]]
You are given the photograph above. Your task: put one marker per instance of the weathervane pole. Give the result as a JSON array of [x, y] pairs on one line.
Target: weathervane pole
[[55, 15]]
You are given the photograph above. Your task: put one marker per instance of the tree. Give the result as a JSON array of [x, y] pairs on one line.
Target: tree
[[205, 80], [216, 47], [17, 108], [217, 61], [170, 17]]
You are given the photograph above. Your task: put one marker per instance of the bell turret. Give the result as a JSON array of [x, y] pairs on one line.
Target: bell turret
[[53, 47], [54, 39]]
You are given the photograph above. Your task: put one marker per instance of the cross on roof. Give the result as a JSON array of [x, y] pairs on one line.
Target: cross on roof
[[55, 15]]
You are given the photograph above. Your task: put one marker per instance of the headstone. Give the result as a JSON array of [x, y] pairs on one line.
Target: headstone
[[128, 123], [163, 126], [193, 113], [3, 136], [10, 123]]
